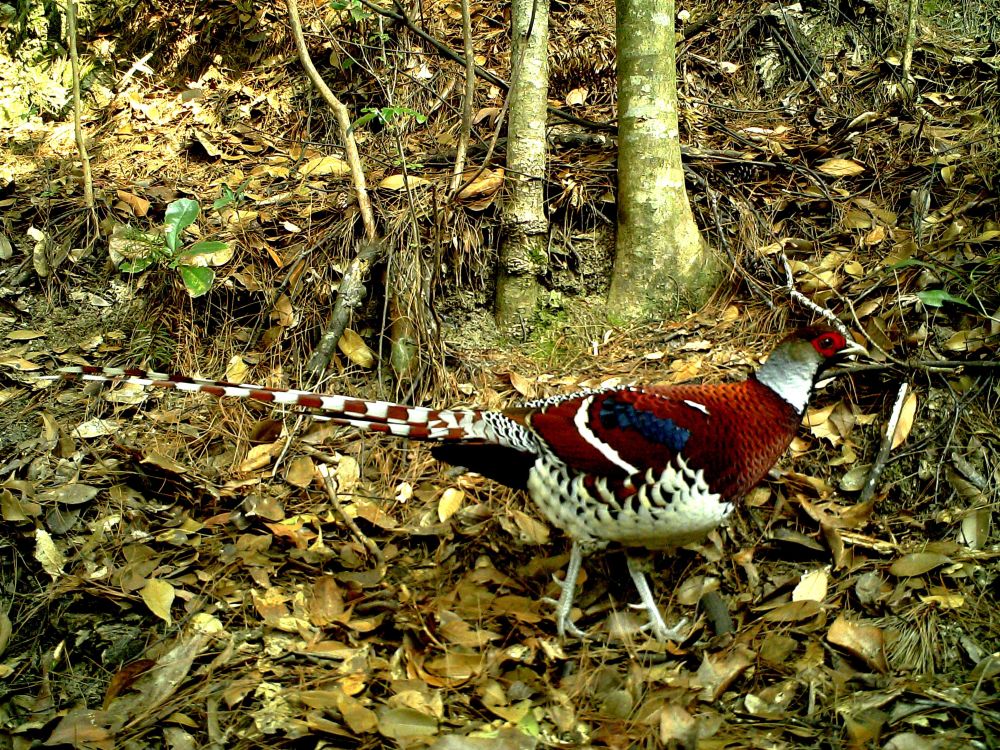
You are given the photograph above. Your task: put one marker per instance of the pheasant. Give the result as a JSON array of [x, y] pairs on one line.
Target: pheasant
[[652, 467]]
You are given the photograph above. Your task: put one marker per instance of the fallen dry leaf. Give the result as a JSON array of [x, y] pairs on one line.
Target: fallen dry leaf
[[718, 671], [406, 724], [918, 563], [841, 167], [812, 586], [326, 605], [355, 349], [521, 384], [158, 596], [863, 641], [486, 184], [325, 165], [300, 472], [451, 500], [399, 181], [49, 556], [905, 423], [237, 369], [96, 428]]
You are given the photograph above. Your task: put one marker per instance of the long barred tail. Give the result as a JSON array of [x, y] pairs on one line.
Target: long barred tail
[[414, 422]]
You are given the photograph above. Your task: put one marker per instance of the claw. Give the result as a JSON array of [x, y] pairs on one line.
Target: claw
[[567, 593], [656, 623]]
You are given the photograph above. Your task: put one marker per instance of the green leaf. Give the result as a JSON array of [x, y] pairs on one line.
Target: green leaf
[[370, 114], [937, 297], [418, 116], [935, 267], [137, 265], [180, 215], [909, 263], [227, 197], [197, 279], [203, 248]]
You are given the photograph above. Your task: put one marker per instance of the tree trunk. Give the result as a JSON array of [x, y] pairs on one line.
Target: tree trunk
[[661, 264], [523, 255], [909, 85]]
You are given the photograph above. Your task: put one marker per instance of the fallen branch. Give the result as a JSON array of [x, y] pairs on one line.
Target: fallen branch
[[803, 300], [349, 297]]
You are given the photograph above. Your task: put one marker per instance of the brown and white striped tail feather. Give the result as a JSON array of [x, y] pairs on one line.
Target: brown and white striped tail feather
[[414, 422]]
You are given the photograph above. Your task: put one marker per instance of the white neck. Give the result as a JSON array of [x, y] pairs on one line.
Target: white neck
[[789, 376]]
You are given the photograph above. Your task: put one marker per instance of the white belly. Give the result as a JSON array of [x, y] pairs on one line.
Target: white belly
[[667, 510]]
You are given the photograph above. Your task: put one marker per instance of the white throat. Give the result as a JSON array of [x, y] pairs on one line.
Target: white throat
[[789, 376]]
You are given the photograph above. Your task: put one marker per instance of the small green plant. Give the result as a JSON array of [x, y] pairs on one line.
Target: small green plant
[[386, 115], [937, 297], [357, 11], [230, 196], [169, 252]]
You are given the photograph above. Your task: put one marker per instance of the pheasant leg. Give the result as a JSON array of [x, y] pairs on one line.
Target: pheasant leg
[[568, 591], [656, 621]]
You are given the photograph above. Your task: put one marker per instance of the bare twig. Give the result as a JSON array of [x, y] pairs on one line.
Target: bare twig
[[330, 483], [81, 144], [803, 300], [908, 82], [343, 120]]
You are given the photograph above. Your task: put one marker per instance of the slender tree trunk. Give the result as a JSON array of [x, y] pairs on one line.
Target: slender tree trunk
[[523, 255], [908, 83], [661, 263]]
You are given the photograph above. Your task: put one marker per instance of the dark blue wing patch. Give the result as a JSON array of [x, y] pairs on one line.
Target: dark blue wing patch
[[624, 415]]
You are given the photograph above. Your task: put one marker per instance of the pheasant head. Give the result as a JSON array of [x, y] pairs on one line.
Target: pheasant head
[[795, 364]]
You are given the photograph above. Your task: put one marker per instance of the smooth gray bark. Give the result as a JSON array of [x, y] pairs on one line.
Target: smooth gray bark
[[661, 263], [523, 255]]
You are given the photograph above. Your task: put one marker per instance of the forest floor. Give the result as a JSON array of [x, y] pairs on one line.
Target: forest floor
[[178, 571]]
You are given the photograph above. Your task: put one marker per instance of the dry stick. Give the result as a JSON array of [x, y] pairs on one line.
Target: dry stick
[[909, 84], [938, 366], [805, 301], [331, 488], [343, 120], [883, 453], [470, 92]]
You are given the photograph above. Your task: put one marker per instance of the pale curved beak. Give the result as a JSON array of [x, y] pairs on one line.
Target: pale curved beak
[[854, 349]]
